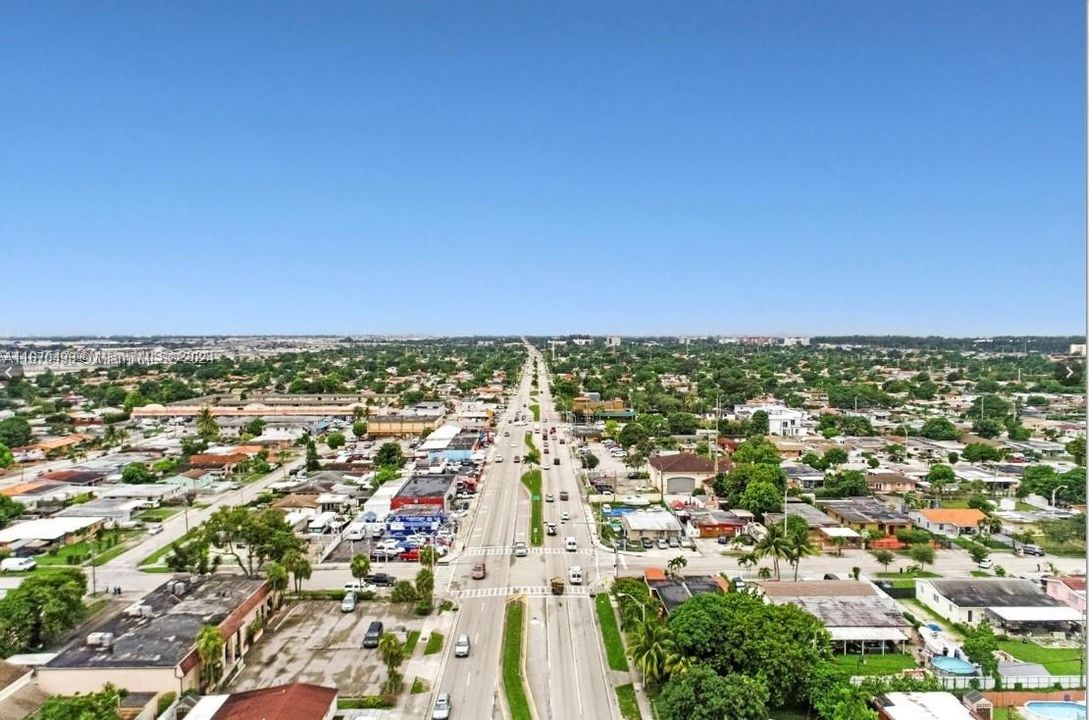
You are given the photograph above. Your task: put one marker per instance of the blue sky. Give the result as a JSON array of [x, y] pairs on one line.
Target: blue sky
[[552, 167]]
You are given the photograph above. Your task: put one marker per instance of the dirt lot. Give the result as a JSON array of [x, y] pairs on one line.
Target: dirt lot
[[315, 642]]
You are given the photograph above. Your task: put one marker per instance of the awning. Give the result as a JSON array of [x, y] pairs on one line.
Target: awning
[[835, 532], [1036, 614], [842, 634]]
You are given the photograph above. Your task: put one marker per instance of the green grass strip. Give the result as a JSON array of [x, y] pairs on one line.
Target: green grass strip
[[629, 707], [513, 684], [610, 634], [434, 643], [532, 481]]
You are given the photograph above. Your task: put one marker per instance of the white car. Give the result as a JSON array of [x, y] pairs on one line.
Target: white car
[[565, 516], [499, 458], [514, 444], [358, 586], [18, 564]]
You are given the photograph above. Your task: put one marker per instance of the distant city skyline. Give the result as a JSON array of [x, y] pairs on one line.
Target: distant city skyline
[[614, 168]]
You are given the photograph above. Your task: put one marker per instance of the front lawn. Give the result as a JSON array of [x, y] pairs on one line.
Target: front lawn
[[1058, 661], [887, 664]]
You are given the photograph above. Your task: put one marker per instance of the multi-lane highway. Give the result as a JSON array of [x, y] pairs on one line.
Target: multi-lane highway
[[565, 665], [500, 518]]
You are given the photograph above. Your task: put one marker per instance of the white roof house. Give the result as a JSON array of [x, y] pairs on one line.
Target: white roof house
[[48, 529], [923, 706]]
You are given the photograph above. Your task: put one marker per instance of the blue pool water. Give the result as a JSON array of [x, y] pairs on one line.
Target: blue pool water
[[952, 665], [1053, 710]]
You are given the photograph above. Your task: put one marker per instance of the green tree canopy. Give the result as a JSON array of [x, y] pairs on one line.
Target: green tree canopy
[[702, 694], [939, 428], [389, 455], [737, 633], [15, 432]]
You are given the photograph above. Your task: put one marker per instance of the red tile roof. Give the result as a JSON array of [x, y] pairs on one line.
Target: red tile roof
[[682, 462], [295, 701]]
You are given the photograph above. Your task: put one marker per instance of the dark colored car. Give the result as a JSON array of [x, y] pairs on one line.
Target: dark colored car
[[374, 634], [647, 543], [563, 495], [380, 579]]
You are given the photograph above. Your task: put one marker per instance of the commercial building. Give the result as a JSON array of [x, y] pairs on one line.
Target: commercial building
[[150, 647], [680, 473], [436, 490], [401, 425], [652, 524]]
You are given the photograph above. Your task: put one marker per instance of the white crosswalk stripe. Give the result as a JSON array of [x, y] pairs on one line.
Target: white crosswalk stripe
[[529, 590], [502, 550]]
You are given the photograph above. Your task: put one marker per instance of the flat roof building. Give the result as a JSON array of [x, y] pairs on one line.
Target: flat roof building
[[150, 647]]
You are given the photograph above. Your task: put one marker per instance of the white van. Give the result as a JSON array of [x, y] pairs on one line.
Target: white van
[[571, 543], [18, 564], [574, 575]]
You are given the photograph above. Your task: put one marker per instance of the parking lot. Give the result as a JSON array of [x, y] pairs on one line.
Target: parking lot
[[316, 643]]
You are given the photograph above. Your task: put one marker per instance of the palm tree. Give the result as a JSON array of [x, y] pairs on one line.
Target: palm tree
[[210, 651], [206, 425], [392, 652], [649, 645], [676, 564], [800, 546], [276, 574], [775, 544], [763, 573], [748, 560], [299, 567], [427, 556], [360, 567]]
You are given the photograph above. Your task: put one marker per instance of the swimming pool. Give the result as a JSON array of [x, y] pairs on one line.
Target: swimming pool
[[1054, 710], [952, 665]]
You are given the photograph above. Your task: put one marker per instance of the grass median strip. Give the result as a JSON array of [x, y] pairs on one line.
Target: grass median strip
[[514, 685], [536, 410], [532, 481], [629, 706], [610, 634]]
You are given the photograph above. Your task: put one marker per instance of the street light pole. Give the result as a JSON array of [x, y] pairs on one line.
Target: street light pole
[[642, 607]]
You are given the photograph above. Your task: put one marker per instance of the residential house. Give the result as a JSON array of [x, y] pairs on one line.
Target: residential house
[[859, 617], [1012, 604], [51, 532], [294, 701], [866, 514], [890, 482], [782, 420], [950, 522], [1068, 589], [921, 706]]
